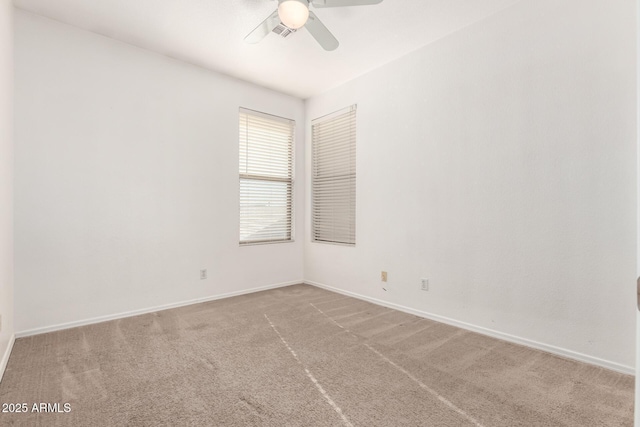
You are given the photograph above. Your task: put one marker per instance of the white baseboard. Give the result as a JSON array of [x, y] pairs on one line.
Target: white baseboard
[[5, 356], [122, 315], [559, 351]]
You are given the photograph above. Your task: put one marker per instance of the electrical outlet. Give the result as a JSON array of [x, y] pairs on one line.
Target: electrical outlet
[[203, 274], [425, 284], [383, 276], [0, 322]]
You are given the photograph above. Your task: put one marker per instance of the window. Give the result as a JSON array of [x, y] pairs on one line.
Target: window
[[266, 178], [334, 177]]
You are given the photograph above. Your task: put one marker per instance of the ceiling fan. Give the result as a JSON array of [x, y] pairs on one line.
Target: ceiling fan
[[292, 15]]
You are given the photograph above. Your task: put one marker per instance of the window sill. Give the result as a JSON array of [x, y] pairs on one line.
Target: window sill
[[271, 242]]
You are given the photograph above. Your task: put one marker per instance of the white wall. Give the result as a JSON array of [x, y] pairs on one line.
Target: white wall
[[127, 179], [637, 394], [499, 162], [6, 179]]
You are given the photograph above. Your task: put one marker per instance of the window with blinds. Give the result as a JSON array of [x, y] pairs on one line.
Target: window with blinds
[[334, 177], [266, 178]]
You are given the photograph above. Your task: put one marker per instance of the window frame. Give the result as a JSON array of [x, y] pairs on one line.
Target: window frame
[[349, 111], [290, 180]]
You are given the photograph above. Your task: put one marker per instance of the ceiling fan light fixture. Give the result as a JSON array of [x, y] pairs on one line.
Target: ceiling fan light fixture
[[293, 13]]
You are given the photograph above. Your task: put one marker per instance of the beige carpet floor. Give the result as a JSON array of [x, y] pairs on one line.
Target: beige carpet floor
[[301, 356]]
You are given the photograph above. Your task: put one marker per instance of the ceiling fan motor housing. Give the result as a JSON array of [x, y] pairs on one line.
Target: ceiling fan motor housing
[[283, 31]]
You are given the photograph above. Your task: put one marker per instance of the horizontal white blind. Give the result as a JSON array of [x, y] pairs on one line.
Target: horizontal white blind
[[266, 177], [334, 177]]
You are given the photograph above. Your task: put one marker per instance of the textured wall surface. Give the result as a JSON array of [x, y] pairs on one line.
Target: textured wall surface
[[127, 179], [637, 391], [6, 176], [500, 163]]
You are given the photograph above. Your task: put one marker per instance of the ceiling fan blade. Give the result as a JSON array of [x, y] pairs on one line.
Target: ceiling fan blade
[[342, 3], [321, 33], [264, 28]]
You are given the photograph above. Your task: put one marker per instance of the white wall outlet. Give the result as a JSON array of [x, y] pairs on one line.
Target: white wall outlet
[[425, 284], [383, 276], [203, 274]]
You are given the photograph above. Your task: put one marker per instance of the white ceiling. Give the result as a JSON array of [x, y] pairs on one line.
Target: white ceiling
[[210, 33]]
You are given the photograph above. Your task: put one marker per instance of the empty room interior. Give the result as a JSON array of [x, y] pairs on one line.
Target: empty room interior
[[318, 212]]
